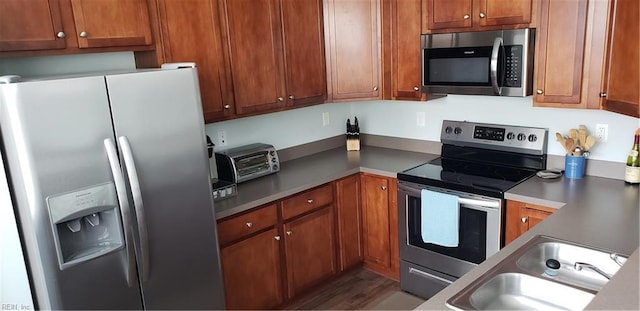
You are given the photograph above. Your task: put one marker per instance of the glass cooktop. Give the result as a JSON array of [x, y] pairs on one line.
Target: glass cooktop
[[467, 176]]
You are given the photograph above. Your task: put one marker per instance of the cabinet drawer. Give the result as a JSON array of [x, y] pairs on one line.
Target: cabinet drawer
[[307, 201], [237, 227]]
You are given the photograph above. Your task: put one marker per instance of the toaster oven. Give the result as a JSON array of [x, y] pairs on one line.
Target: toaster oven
[[247, 162]]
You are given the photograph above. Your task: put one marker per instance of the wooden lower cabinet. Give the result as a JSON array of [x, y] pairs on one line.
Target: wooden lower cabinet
[[349, 218], [309, 250], [252, 272], [380, 224], [523, 216]]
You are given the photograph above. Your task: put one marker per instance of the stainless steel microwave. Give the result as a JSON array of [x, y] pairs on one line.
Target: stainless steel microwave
[[496, 62]]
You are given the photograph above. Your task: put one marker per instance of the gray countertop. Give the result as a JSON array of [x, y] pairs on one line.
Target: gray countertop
[[594, 211], [314, 170]]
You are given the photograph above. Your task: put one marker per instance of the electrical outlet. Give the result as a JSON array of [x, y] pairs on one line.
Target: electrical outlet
[[421, 119], [222, 138], [602, 131], [325, 119]]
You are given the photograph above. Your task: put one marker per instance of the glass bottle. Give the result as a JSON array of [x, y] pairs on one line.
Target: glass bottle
[[632, 170]]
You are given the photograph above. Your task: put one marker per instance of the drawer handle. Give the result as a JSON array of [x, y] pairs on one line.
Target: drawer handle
[[277, 237], [523, 220], [383, 187], [249, 225], [310, 201], [289, 232]]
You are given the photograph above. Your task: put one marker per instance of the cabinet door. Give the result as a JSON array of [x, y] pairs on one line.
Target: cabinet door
[[523, 216], [251, 272], [560, 53], [186, 23], [36, 26], [107, 23], [304, 51], [309, 250], [406, 59], [254, 42], [349, 222], [500, 12], [376, 221], [353, 49], [443, 14], [623, 76]]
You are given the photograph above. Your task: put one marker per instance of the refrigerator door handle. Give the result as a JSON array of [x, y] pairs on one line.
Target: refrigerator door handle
[[138, 204], [121, 193]]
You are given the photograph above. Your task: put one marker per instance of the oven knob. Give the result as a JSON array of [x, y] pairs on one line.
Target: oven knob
[[511, 136], [533, 138], [274, 167], [448, 130], [522, 137], [272, 153], [457, 130]]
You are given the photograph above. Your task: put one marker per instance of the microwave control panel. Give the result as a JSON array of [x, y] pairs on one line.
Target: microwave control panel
[[513, 63]]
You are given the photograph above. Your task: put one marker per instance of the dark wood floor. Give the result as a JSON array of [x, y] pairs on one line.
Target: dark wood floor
[[360, 289]]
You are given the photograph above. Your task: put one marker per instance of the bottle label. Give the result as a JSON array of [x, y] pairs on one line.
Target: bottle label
[[632, 174]]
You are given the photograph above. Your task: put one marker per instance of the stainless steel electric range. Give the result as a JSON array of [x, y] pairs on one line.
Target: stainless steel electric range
[[479, 162]]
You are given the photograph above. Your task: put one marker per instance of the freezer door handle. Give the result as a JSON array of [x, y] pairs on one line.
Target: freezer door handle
[[121, 192], [138, 204]]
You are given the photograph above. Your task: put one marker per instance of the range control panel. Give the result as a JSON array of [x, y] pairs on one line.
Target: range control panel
[[512, 138]]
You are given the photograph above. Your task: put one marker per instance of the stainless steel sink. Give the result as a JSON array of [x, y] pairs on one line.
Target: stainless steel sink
[[533, 261], [517, 291], [520, 282]]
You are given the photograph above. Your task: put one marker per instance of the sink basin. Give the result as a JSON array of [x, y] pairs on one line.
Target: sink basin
[[517, 291], [519, 281], [533, 261]]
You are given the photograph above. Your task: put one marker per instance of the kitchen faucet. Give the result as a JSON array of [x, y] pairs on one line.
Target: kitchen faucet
[[580, 265]]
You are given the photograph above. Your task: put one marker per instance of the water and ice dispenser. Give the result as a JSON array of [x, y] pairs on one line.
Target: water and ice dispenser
[[86, 223]]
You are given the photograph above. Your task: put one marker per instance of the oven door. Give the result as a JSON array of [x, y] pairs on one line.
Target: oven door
[[479, 231]]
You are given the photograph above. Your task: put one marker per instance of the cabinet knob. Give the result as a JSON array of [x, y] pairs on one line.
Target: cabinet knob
[[375, 88], [539, 92], [227, 106], [383, 187], [249, 225], [291, 97], [524, 220], [310, 201], [603, 94], [61, 34], [466, 16], [289, 232], [277, 237], [83, 34], [482, 15], [415, 88], [280, 99]]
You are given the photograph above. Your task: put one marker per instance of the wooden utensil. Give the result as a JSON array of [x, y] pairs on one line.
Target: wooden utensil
[[569, 145], [590, 141], [573, 134], [560, 139], [582, 132]]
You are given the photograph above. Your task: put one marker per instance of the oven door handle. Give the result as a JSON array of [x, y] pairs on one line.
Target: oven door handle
[[479, 203], [461, 200]]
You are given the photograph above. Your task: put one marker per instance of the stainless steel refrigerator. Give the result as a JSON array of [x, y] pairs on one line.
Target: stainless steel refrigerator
[[109, 179]]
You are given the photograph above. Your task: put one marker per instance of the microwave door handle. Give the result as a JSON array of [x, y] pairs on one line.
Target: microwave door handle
[[493, 66]]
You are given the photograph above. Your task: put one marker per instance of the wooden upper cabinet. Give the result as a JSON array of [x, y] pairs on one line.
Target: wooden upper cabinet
[[353, 49], [622, 84], [189, 31], [471, 15], [504, 12], [570, 43], [109, 23], [304, 51], [36, 26], [405, 17], [254, 41]]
